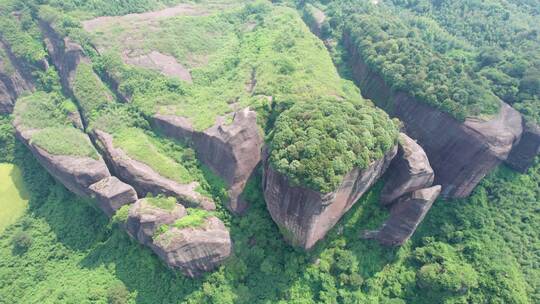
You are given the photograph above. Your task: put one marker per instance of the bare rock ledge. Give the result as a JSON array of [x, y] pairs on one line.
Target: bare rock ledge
[[409, 171]]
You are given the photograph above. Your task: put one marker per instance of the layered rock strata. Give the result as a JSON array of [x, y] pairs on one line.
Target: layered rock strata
[[232, 150], [523, 154], [409, 171], [461, 153], [145, 179], [405, 216], [303, 215]]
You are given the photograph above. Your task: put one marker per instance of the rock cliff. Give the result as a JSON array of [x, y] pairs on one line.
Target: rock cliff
[[111, 194], [145, 179], [523, 154], [405, 216], [461, 153], [409, 171], [194, 250], [232, 150], [14, 80], [303, 215]]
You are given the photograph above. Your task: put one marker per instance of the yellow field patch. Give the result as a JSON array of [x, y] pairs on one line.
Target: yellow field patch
[[13, 195]]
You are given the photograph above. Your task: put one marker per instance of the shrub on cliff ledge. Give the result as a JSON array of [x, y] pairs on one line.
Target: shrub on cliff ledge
[[315, 144]]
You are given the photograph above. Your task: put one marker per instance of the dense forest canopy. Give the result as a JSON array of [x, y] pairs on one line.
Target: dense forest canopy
[[455, 55], [483, 249]]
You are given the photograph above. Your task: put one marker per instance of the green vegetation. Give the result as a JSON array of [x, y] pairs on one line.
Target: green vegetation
[[194, 218], [165, 203], [49, 115], [89, 91], [316, 144], [13, 195], [454, 55], [65, 141]]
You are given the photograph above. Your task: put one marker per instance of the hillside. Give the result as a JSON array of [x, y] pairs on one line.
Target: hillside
[[269, 152]]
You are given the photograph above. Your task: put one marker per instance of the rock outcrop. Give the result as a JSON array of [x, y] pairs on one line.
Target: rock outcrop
[[232, 150], [14, 80], [523, 154], [194, 250], [144, 219], [409, 171], [144, 179], [111, 194], [303, 215], [461, 153], [405, 216]]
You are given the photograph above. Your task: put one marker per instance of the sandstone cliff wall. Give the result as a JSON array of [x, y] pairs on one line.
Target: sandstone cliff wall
[[14, 80], [232, 150], [304, 215], [523, 154], [461, 153]]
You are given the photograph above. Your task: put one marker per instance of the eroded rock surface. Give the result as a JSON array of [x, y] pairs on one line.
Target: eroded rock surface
[[232, 150], [460, 153], [165, 64], [409, 171], [13, 80], [145, 180], [523, 154], [304, 215], [405, 216], [144, 219], [195, 250], [111, 194]]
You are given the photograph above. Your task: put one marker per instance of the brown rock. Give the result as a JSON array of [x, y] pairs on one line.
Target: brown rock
[[523, 154], [195, 250], [409, 171], [14, 80], [405, 216], [111, 194], [144, 219], [232, 151], [74, 172], [460, 153], [145, 180], [304, 215]]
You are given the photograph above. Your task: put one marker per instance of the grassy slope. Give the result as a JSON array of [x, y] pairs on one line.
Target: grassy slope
[[13, 195]]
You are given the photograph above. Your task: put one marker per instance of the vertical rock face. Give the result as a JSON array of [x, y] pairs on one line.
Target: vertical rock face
[[195, 250], [409, 171], [523, 154], [304, 215], [232, 151], [13, 80], [144, 219], [461, 153], [111, 194], [145, 180], [65, 54], [405, 216]]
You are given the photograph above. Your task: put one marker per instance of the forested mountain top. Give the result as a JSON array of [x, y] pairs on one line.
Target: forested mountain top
[[492, 47]]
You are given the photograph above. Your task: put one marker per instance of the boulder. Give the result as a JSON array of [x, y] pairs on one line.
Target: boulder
[[409, 171], [523, 154], [144, 219], [460, 153], [194, 250], [144, 179], [111, 194], [405, 216], [303, 215], [232, 150]]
